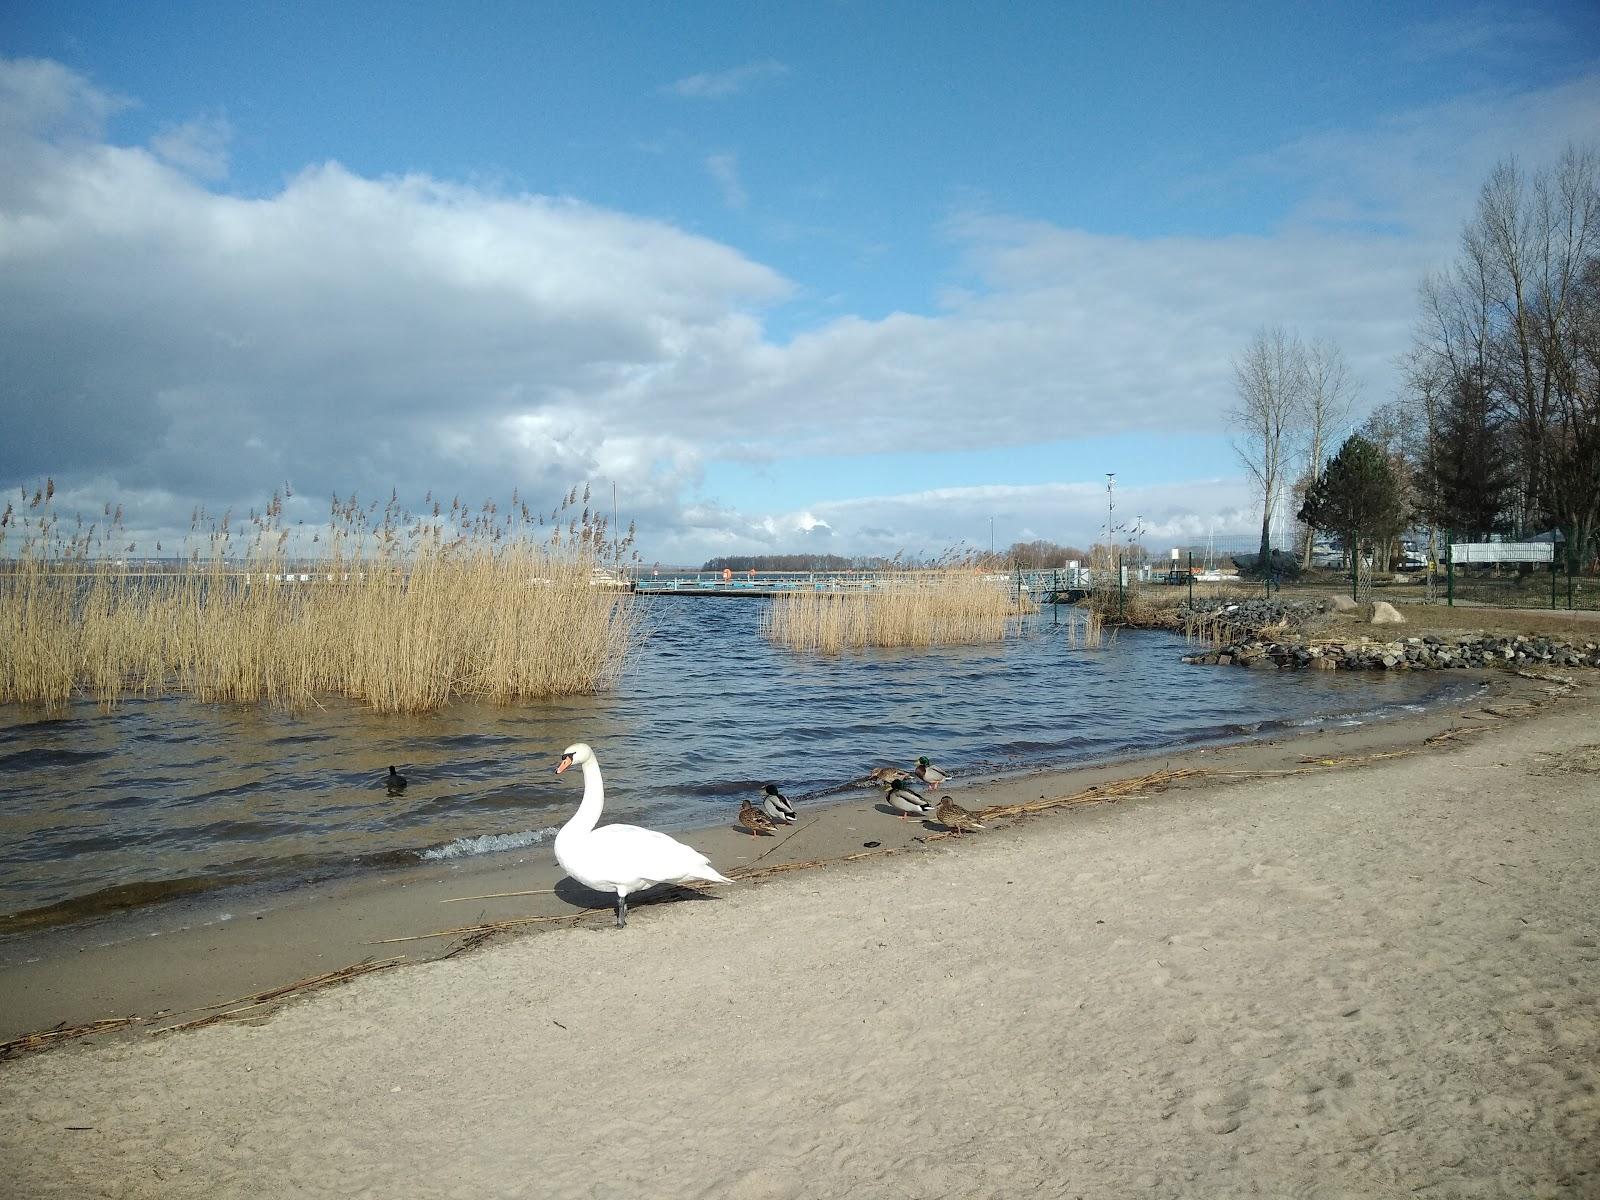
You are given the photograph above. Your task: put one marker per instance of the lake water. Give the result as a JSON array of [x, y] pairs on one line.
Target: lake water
[[163, 797]]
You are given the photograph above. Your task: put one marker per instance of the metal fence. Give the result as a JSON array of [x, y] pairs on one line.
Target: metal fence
[[1517, 575]]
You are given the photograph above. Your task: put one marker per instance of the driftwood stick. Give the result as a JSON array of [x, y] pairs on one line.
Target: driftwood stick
[[62, 1033], [213, 1019], [500, 895], [311, 982], [490, 926], [471, 941], [743, 872]]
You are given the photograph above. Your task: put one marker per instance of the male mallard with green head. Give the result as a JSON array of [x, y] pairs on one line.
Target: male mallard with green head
[[906, 800], [930, 774], [776, 805]]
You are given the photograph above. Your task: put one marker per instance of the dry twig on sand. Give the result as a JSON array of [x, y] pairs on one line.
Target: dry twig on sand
[[1155, 781], [471, 942], [251, 1005], [492, 926], [54, 1037]]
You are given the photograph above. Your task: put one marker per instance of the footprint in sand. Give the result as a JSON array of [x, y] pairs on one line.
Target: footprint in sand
[[1218, 1111]]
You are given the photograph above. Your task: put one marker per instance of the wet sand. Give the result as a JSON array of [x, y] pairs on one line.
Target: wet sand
[[170, 965], [1374, 979]]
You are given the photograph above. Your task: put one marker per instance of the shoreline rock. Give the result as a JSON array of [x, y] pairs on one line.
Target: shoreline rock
[[1431, 652]]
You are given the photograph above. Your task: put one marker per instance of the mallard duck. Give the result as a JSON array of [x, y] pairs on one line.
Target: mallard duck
[[777, 805], [881, 775], [753, 819], [620, 858], [395, 782], [907, 800], [955, 818], [930, 774]]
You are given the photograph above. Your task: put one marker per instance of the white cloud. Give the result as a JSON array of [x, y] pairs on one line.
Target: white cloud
[[38, 96], [724, 169], [199, 147], [345, 332], [930, 521], [719, 85], [1481, 29], [167, 340]]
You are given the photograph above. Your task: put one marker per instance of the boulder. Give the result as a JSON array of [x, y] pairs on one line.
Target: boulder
[[1384, 613], [1342, 603]]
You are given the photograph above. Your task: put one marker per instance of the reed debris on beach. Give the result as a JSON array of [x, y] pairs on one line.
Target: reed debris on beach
[[398, 612], [934, 607]]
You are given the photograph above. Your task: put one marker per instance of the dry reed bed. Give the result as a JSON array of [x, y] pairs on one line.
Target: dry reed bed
[[501, 626], [919, 608], [405, 615]]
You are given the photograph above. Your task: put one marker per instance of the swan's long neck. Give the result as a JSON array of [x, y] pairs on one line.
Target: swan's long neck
[[594, 797]]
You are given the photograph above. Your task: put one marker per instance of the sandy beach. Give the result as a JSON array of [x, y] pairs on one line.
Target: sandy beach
[[1377, 978]]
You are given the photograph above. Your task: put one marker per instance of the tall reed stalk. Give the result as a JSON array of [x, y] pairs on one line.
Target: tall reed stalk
[[1084, 629], [915, 608], [399, 613]]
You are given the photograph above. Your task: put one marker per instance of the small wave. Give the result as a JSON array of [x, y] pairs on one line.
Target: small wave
[[487, 843], [116, 898], [41, 756]]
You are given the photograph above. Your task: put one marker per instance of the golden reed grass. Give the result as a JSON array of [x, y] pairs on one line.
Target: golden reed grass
[[1085, 629], [936, 607], [402, 614]]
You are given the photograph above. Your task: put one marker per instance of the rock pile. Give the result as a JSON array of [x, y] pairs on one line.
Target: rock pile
[[1428, 653], [1250, 616]]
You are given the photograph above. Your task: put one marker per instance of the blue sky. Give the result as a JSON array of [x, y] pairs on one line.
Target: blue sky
[[832, 275]]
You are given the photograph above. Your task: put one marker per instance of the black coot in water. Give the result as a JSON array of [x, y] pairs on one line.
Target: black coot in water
[[396, 782]]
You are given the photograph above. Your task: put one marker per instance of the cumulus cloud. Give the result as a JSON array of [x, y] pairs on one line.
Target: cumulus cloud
[[930, 521], [41, 97], [719, 85], [164, 339], [345, 332], [199, 147]]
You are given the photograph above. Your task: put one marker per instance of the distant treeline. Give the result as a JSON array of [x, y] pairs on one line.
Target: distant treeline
[[1027, 555], [794, 562]]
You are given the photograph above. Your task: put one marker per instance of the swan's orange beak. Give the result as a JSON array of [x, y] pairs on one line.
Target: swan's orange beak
[[566, 761]]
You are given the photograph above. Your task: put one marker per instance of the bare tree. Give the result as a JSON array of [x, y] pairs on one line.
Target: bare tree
[[1428, 381], [1328, 396], [1271, 380], [1537, 235]]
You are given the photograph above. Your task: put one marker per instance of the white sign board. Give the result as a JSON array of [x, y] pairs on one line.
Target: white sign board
[[1502, 552]]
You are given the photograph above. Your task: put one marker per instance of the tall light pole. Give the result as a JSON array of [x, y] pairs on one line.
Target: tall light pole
[[1111, 479]]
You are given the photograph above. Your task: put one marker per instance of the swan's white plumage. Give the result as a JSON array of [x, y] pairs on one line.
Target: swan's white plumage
[[621, 858]]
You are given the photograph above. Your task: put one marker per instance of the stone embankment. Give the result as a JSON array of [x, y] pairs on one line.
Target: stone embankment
[[1283, 634], [1429, 653]]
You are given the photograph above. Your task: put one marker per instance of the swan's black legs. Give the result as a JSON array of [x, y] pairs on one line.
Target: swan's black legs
[[622, 910]]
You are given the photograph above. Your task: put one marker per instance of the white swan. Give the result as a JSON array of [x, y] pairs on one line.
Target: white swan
[[620, 858]]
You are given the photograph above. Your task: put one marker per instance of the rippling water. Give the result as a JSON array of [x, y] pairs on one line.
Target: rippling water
[[166, 796]]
